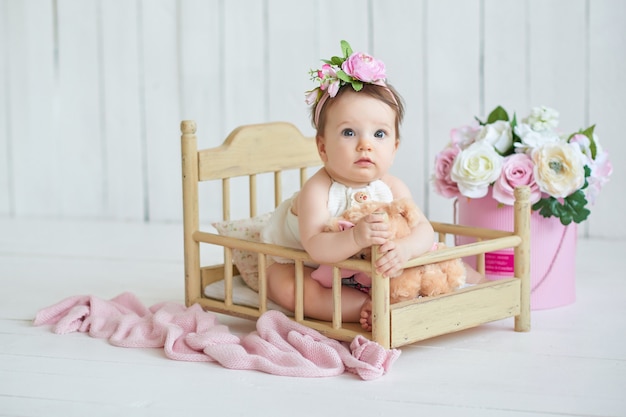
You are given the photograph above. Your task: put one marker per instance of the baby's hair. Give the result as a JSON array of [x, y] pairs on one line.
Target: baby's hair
[[387, 94]]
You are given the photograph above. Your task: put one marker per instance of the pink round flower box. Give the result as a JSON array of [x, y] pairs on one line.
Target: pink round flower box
[[552, 251]]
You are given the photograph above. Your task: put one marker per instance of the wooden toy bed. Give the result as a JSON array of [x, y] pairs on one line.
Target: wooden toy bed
[[278, 147]]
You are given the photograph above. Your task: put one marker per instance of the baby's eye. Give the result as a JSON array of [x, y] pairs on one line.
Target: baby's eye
[[347, 132], [380, 134]]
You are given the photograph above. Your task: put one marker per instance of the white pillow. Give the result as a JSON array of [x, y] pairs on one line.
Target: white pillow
[[247, 229]]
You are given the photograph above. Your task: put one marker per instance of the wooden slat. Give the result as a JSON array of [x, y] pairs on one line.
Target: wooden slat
[[193, 289], [262, 282], [457, 229], [252, 190], [522, 256], [337, 316], [463, 309], [381, 316]]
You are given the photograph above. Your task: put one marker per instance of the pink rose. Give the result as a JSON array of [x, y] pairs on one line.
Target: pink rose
[[517, 170], [464, 136], [441, 178], [364, 68]]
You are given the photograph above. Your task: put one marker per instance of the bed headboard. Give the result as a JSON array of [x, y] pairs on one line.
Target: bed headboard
[[247, 151]]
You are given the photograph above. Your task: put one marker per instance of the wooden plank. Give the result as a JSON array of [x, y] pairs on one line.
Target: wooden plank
[[333, 27], [123, 155], [506, 67], [32, 86], [414, 321], [556, 60], [400, 43], [161, 103], [6, 192], [244, 63], [291, 53], [452, 81], [607, 89], [78, 118], [292, 47], [201, 29]]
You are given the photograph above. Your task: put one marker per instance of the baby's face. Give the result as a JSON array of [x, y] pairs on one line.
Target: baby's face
[[359, 141]]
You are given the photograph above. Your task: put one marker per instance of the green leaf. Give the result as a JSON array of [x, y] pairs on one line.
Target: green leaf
[[344, 77], [498, 114], [346, 49], [480, 122], [573, 208], [357, 85], [592, 143], [337, 61]]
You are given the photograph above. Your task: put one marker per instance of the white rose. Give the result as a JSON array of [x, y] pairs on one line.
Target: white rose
[[532, 139], [498, 134], [542, 118], [475, 168], [559, 168]]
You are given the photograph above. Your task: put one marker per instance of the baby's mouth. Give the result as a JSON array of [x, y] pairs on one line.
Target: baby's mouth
[[364, 161]]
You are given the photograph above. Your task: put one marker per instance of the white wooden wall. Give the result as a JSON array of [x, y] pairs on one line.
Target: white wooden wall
[[92, 91]]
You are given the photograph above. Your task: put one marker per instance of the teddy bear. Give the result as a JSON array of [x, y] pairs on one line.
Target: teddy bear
[[425, 280]]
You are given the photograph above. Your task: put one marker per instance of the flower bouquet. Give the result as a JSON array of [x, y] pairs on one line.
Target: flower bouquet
[[565, 172]]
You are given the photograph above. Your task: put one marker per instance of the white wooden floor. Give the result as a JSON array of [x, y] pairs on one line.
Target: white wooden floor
[[572, 363]]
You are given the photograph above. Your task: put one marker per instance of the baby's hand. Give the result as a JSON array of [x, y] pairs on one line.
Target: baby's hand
[[372, 229], [394, 257]]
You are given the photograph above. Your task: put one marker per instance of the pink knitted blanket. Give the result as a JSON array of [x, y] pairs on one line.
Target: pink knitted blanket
[[279, 346]]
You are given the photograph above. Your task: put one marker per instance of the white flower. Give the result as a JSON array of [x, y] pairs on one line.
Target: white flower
[[542, 118], [559, 168], [498, 135], [532, 139], [475, 168]]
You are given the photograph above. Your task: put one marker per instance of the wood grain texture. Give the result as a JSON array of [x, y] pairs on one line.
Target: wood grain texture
[[98, 88]]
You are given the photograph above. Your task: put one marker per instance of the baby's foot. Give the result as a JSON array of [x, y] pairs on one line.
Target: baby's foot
[[366, 315]]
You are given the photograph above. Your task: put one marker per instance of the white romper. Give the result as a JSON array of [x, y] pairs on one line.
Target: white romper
[[282, 228]]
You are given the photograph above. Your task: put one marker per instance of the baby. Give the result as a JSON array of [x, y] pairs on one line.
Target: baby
[[357, 116]]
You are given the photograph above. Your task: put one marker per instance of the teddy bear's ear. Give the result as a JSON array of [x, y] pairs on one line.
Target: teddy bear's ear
[[407, 209]]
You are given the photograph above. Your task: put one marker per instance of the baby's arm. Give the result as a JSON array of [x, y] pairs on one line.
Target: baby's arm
[[398, 252], [330, 247]]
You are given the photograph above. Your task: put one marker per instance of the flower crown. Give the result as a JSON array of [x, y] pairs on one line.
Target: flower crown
[[354, 68]]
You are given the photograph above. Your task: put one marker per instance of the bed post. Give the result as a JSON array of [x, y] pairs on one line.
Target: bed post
[[522, 255], [381, 315], [189, 153]]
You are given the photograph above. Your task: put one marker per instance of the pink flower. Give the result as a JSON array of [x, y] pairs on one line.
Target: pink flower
[[441, 178], [328, 80], [601, 170], [584, 143], [517, 170], [464, 136], [311, 96], [364, 68]]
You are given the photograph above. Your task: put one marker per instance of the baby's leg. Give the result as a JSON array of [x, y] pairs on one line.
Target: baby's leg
[[366, 315], [472, 275], [318, 300]]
